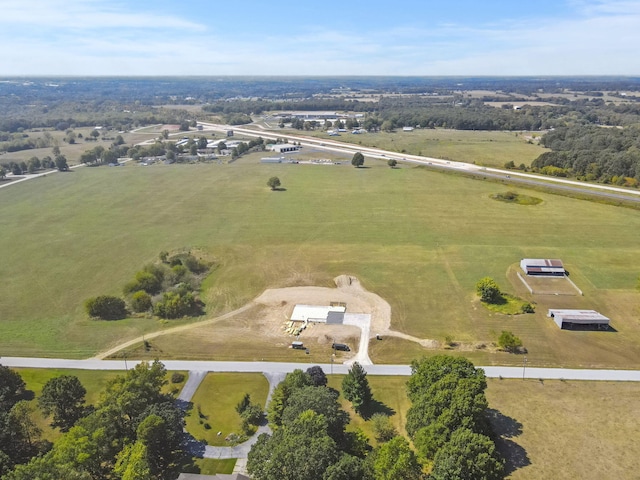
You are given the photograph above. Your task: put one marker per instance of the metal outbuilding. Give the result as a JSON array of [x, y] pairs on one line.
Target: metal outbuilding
[[543, 266], [578, 318], [318, 313]]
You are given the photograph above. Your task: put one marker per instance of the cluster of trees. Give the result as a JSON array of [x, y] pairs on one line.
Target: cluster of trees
[[103, 156], [167, 289], [309, 439], [133, 433], [592, 153], [14, 142], [446, 422], [242, 148], [19, 435], [447, 419]]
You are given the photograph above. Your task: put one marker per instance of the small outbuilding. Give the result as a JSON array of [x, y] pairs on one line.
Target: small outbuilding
[[284, 147], [570, 319], [543, 267], [318, 313]]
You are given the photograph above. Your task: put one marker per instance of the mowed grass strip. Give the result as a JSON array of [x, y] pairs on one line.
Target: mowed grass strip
[[214, 405], [418, 238]]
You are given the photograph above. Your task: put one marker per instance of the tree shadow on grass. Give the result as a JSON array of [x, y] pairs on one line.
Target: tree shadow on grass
[[505, 428], [28, 395], [279, 189], [376, 406]]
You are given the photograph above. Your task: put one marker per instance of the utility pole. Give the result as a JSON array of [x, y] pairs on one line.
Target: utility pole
[[524, 366]]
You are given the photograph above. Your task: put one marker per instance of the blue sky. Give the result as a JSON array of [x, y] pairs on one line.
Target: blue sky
[[284, 37]]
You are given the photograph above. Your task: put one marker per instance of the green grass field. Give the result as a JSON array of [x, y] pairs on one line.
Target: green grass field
[[214, 405], [491, 149], [418, 238]]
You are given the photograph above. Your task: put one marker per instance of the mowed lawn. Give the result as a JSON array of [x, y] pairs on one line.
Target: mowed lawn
[[215, 401], [419, 239]]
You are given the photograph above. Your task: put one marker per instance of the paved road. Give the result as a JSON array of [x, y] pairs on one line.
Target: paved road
[[283, 368], [612, 192]]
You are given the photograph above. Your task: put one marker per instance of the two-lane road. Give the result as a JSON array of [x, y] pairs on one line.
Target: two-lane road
[[282, 367]]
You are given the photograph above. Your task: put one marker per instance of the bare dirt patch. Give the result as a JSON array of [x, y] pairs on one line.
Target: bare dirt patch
[[257, 330]]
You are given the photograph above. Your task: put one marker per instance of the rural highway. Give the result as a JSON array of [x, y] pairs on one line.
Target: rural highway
[[512, 176], [283, 368]]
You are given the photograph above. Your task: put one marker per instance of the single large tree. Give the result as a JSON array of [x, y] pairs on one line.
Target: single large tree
[[355, 388], [63, 397], [273, 183], [357, 160], [61, 163], [12, 388], [488, 290], [317, 375], [509, 341]]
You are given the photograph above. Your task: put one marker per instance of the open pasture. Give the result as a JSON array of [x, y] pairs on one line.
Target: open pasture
[[488, 148], [419, 239]]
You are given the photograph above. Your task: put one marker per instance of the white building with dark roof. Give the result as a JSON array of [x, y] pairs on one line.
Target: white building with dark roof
[[543, 266], [568, 319]]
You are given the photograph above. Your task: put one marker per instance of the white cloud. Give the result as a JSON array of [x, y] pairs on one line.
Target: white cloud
[[85, 15]]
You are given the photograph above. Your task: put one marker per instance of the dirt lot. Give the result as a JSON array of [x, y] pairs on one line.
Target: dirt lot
[[263, 321]]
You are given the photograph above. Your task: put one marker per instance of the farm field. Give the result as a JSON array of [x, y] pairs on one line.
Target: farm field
[[488, 148], [417, 238]]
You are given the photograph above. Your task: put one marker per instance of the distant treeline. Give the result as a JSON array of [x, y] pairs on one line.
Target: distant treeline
[[162, 90], [608, 155]]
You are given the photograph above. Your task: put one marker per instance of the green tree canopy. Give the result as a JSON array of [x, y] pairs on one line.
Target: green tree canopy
[[300, 449], [395, 460], [509, 341], [488, 290], [12, 388], [355, 388], [321, 400], [357, 160], [63, 397], [106, 307], [273, 183], [427, 371], [468, 456]]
